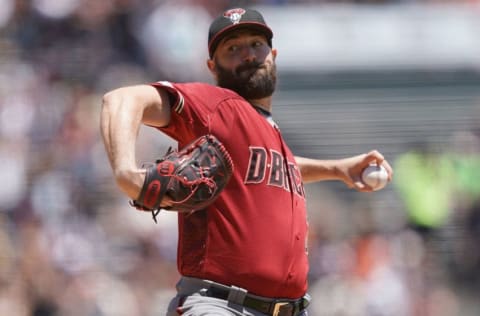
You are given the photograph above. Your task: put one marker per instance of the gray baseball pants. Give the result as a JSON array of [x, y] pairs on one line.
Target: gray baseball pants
[[191, 295]]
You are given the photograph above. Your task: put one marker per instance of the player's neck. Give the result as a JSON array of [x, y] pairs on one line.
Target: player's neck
[[264, 103]]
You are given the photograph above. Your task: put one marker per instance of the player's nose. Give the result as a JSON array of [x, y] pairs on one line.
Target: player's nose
[[248, 54]]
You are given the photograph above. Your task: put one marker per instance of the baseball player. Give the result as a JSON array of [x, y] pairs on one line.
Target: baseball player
[[244, 252]]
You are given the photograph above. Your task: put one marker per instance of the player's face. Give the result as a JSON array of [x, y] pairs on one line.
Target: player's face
[[245, 63]]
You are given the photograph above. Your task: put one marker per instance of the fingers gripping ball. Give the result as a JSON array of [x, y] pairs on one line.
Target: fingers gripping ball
[[191, 178], [375, 176]]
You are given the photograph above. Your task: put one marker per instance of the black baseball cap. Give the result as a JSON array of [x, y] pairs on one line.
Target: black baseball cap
[[234, 19]]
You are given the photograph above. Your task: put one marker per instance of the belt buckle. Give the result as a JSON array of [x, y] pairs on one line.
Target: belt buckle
[[277, 307]]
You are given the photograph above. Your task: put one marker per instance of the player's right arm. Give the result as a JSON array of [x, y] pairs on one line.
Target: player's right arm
[[348, 170], [123, 112]]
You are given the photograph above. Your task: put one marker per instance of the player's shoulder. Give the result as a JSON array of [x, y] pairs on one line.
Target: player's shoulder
[[199, 89]]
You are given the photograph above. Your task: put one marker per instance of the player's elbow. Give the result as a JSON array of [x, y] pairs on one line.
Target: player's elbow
[[106, 112], [112, 103], [109, 100], [106, 106]]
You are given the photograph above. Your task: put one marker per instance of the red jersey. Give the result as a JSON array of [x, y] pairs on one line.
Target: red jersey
[[254, 235]]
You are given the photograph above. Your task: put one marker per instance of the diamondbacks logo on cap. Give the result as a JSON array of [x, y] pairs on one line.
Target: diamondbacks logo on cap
[[235, 15]]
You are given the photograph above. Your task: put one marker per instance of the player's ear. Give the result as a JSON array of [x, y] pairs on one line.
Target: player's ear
[[211, 67], [274, 53]]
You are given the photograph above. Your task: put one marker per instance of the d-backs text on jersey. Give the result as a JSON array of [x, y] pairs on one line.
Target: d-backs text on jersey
[[261, 166]]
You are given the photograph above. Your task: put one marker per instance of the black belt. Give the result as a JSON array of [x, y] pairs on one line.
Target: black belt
[[273, 307]]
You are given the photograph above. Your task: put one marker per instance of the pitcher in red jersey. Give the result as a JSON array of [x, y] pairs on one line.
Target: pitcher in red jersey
[[246, 253]]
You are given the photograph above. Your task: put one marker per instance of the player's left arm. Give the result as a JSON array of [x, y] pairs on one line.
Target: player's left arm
[[348, 170], [124, 110]]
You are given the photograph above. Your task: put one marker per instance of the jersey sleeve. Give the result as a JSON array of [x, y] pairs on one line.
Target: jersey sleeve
[[193, 107]]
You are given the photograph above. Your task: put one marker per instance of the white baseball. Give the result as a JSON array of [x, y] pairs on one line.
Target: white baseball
[[375, 177]]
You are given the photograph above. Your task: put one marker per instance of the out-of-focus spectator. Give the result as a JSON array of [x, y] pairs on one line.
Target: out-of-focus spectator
[[426, 183]]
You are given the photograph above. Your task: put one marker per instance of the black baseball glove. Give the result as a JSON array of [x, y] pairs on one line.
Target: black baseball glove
[[191, 178]]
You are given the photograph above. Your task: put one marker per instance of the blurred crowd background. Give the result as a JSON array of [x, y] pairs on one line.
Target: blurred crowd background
[[400, 76]]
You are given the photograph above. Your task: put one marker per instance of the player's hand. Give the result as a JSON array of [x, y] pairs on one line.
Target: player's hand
[[350, 169]]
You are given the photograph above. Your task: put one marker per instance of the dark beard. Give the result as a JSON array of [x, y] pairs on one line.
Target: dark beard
[[250, 80]]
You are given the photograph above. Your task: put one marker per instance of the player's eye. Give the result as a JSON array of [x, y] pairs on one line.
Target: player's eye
[[233, 48], [257, 44]]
